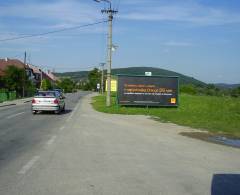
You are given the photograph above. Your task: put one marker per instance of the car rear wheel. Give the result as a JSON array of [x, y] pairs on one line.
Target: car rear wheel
[[57, 111], [34, 112]]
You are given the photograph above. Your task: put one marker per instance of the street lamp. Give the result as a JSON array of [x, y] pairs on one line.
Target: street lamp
[[110, 13]]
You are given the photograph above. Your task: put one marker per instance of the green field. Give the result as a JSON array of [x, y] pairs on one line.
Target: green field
[[215, 114]]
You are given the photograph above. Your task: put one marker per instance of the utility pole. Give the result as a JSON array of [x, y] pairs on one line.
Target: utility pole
[[25, 57], [110, 13], [102, 80], [25, 63], [41, 78]]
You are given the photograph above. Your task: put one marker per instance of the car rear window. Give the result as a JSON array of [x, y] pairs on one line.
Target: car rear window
[[46, 94], [58, 90]]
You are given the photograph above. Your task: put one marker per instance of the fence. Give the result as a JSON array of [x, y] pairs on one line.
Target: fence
[[5, 96]]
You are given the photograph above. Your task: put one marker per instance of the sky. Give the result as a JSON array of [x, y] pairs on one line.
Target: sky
[[198, 38]]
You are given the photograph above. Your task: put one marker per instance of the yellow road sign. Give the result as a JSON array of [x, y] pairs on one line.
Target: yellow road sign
[[113, 85]]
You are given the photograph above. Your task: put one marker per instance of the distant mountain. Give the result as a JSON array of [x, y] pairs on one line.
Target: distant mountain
[[226, 86], [76, 76], [81, 75], [157, 71]]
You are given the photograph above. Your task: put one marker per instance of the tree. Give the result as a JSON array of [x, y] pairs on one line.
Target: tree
[[189, 89], [46, 84], [67, 85], [2, 83], [235, 92], [15, 79], [94, 77]]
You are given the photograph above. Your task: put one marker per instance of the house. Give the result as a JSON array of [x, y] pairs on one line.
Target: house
[[35, 74], [4, 63], [39, 75], [52, 76]]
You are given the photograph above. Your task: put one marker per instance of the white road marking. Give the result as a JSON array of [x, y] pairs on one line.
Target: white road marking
[[73, 112], [29, 165], [50, 142], [9, 117], [71, 115]]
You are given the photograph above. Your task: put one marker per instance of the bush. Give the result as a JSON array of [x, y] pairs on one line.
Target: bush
[[12, 95], [67, 85], [46, 84], [235, 92], [189, 89], [3, 90], [3, 96]]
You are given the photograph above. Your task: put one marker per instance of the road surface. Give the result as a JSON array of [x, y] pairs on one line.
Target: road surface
[[86, 152]]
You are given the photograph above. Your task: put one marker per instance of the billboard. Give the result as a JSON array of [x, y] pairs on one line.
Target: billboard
[[147, 90]]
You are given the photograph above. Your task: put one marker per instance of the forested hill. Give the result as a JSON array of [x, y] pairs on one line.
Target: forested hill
[[81, 75]]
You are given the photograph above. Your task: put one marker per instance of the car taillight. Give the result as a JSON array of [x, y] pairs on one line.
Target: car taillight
[[56, 101], [34, 101]]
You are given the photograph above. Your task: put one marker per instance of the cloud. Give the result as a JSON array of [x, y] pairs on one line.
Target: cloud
[[186, 13], [33, 17], [59, 13]]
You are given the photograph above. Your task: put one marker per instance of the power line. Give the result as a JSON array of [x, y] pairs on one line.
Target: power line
[[51, 32]]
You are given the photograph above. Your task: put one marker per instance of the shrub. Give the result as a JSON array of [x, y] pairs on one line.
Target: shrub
[[189, 89]]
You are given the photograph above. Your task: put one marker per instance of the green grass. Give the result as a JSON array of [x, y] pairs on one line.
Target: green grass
[[215, 114]]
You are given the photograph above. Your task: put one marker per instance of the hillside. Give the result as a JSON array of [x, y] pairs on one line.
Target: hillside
[[82, 75], [76, 76]]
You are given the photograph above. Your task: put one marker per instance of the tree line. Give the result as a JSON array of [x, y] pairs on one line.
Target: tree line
[[210, 90], [94, 77], [16, 79]]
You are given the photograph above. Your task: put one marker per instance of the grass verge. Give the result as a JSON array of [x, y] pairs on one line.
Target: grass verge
[[216, 114]]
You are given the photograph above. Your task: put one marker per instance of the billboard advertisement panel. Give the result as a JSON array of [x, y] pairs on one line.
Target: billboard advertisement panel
[[147, 90]]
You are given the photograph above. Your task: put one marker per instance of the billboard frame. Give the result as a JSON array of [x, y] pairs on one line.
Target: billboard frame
[[156, 76]]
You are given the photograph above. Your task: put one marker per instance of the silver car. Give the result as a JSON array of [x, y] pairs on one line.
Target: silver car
[[48, 101]]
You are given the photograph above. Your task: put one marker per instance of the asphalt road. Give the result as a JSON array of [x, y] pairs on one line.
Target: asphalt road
[[86, 152], [21, 132]]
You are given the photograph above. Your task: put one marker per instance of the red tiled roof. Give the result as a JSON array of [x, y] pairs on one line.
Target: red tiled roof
[[45, 76], [52, 76], [34, 69], [4, 63]]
